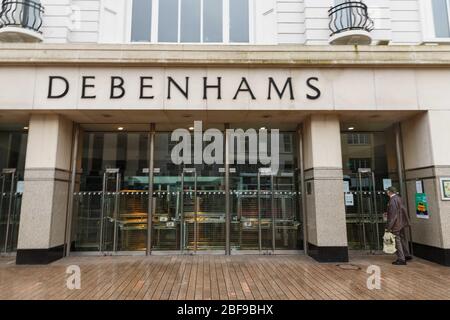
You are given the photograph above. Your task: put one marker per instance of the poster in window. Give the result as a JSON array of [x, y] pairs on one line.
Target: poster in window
[[445, 188]]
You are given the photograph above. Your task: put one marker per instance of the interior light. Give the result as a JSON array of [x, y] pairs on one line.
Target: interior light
[[120, 128]]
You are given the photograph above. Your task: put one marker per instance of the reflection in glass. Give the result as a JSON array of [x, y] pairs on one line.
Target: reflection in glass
[[252, 210], [440, 17], [141, 20], [212, 20], [111, 206], [12, 164], [168, 21], [188, 200], [369, 162], [239, 21], [190, 21]]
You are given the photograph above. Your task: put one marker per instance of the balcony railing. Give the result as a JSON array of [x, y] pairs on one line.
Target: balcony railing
[[21, 14], [349, 16]]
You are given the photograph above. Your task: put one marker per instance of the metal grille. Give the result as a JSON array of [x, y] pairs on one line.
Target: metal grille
[[24, 14], [205, 226], [350, 15]]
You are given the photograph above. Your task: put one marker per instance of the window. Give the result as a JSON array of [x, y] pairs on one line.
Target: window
[[441, 19], [287, 143], [358, 138], [213, 21], [191, 21], [141, 21], [239, 21], [359, 163]]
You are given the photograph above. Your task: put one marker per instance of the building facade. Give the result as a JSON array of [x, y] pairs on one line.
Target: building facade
[[95, 97]]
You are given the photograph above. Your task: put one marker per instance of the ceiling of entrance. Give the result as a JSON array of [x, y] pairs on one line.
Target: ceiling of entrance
[[106, 120]]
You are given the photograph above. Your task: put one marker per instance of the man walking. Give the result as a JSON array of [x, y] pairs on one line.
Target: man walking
[[397, 222]]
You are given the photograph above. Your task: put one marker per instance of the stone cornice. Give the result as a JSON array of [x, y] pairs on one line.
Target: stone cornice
[[222, 56]]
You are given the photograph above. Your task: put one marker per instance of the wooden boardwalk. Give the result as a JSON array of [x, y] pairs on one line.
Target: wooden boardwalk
[[222, 277]]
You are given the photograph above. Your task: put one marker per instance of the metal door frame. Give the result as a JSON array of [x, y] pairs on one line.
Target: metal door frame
[[4, 173], [116, 172]]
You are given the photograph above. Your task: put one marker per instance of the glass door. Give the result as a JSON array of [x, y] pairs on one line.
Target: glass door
[[245, 211], [166, 217], [287, 210], [133, 211], [203, 209], [365, 223], [111, 205], [253, 205], [9, 210]]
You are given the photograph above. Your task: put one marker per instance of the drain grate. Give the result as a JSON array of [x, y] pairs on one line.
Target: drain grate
[[349, 267]]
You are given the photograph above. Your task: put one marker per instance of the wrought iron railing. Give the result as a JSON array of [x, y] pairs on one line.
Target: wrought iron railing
[[21, 13], [351, 15]]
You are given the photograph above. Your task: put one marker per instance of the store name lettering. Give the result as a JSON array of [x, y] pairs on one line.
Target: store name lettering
[[59, 87]]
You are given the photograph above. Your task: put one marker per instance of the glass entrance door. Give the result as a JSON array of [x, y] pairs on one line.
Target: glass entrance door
[[369, 161], [111, 206], [365, 223], [202, 210], [287, 219], [265, 212], [166, 217], [188, 199], [10, 200]]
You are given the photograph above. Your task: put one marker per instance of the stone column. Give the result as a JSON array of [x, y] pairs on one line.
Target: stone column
[[326, 229], [427, 159], [45, 197]]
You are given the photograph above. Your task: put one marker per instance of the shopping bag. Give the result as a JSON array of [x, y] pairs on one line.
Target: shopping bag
[[389, 243]]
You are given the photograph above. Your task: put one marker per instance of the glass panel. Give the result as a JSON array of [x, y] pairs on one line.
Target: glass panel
[[190, 203], [190, 21], [440, 17], [212, 20], [259, 200], [141, 20], [166, 197], [168, 21], [239, 21], [124, 204], [366, 200], [12, 163]]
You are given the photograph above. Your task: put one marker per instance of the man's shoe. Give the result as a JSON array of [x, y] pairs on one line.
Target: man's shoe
[[399, 263], [408, 258]]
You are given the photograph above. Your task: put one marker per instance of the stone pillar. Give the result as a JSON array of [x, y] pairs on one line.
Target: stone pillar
[[326, 224], [45, 197], [427, 159]]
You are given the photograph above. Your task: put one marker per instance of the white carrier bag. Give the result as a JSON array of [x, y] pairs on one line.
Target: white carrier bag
[[389, 243]]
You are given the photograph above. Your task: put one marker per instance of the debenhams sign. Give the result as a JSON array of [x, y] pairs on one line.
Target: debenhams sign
[[89, 87], [153, 88]]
